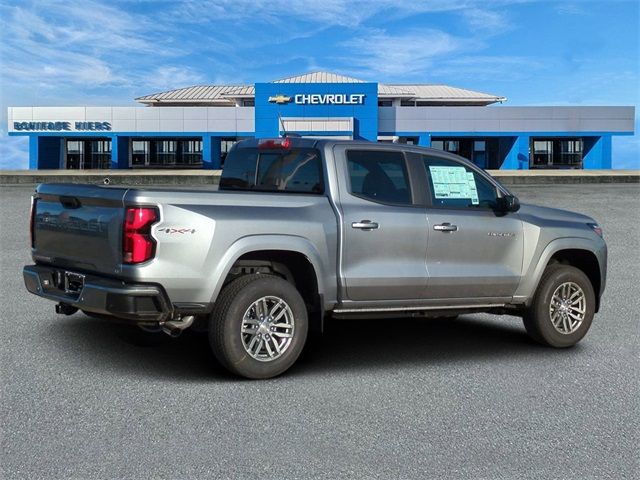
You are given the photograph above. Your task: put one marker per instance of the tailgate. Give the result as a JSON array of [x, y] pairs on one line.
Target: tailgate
[[79, 226]]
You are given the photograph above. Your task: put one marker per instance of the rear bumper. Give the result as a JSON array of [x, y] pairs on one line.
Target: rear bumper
[[105, 296]]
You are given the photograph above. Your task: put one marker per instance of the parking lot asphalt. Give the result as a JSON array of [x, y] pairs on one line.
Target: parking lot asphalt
[[471, 398]]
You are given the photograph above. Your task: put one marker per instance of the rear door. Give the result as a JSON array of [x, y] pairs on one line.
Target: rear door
[[474, 251], [384, 234]]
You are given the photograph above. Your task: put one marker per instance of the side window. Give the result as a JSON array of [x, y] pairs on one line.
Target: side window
[[378, 175], [453, 184]]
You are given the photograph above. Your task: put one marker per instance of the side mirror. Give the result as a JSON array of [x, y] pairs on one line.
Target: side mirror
[[509, 203]]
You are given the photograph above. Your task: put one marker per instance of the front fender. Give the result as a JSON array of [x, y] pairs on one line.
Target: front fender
[[291, 243], [531, 278]]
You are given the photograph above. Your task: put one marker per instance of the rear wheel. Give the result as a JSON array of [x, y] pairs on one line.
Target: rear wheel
[[259, 326], [563, 307]]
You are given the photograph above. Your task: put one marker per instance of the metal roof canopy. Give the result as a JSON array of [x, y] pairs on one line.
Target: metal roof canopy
[[226, 95]]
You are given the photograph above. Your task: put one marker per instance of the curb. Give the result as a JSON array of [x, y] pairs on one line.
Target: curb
[[565, 180], [119, 179], [212, 177]]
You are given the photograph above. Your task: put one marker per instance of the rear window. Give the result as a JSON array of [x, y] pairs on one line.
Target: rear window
[[296, 171]]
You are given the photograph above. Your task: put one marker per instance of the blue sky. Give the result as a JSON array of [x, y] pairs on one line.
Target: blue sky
[[86, 52]]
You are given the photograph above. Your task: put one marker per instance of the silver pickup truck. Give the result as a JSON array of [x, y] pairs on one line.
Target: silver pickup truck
[[303, 229]]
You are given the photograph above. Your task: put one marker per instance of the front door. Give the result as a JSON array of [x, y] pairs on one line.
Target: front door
[[473, 251], [384, 231]]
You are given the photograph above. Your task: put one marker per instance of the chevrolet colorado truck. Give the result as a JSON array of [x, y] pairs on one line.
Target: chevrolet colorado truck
[[303, 229]]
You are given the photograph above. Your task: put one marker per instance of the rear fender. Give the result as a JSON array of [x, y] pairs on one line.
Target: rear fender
[[288, 243]]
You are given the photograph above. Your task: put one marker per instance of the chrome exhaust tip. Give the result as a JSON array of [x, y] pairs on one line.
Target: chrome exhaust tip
[[174, 328]]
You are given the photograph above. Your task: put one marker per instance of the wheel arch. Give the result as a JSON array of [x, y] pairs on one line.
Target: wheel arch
[[577, 252], [294, 258]]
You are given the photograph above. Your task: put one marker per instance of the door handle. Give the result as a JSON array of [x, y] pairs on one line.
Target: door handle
[[365, 225], [445, 227]]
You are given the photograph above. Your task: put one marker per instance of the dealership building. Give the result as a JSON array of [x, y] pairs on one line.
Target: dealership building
[[194, 127]]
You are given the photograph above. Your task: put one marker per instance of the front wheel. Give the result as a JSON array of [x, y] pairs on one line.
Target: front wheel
[[259, 326], [563, 307]]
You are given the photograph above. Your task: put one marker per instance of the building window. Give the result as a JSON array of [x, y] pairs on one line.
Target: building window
[[407, 103], [556, 153], [248, 102], [140, 153], [408, 140], [452, 146], [570, 152], [225, 147], [484, 152], [100, 154], [385, 103], [87, 154], [166, 152], [191, 152], [75, 154]]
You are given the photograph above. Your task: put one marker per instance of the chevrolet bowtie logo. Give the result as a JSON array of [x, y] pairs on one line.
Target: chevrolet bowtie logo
[[280, 99]]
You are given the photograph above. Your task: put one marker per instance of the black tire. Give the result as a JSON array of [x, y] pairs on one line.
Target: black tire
[[225, 325], [537, 318]]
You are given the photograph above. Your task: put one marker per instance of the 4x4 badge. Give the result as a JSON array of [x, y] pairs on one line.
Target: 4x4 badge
[[171, 230]]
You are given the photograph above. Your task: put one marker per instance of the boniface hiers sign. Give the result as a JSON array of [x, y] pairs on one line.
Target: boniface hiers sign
[[62, 126]]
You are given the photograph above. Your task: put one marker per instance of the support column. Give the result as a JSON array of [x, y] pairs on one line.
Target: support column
[[216, 160], [518, 156], [206, 152], [119, 152], [424, 139], [45, 152], [33, 152], [596, 152]]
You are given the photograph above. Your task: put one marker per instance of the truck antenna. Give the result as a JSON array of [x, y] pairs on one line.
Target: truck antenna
[[284, 130]]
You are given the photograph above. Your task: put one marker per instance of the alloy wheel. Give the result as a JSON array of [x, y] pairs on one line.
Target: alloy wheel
[[267, 328], [568, 307]]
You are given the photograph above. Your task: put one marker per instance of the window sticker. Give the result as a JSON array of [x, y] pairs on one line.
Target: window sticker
[[454, 183]]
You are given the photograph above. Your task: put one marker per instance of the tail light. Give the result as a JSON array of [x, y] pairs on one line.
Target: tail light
[[137, 245], [32, 220]]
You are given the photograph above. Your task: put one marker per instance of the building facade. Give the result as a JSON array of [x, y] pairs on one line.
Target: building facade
[[194, 127]]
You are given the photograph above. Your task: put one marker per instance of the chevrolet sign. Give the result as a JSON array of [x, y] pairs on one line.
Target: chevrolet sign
[[320, 99], [329, 99]]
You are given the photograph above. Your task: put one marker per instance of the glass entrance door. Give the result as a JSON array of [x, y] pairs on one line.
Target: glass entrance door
[[94, 153], [556, 152], [140, 150], [542, 153], [74, 154], [100, 156]]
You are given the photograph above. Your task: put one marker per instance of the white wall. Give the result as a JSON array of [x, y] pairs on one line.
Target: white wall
[[143, 119]]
